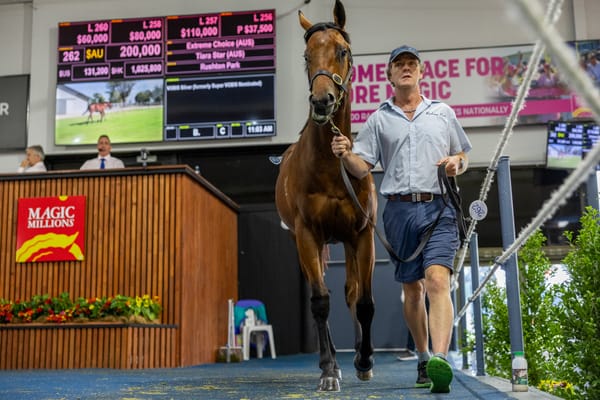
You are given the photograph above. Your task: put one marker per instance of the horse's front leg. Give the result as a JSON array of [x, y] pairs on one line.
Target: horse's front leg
[[331, 374], [311, 261]]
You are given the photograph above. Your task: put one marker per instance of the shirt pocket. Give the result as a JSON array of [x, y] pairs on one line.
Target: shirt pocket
[[436, 136]]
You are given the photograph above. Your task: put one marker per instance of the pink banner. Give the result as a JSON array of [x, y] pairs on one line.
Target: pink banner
[[480, 84]]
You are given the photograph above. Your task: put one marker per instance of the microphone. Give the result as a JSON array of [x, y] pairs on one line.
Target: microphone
[[145, 158]]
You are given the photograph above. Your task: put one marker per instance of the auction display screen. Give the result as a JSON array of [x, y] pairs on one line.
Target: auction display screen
[[205, 76], [569, 142]]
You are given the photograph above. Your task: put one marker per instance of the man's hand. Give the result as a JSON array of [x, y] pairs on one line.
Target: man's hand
[[340, 146], [455, 165]]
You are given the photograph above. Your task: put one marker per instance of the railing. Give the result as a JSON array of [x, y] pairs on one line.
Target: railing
[[543, 25]]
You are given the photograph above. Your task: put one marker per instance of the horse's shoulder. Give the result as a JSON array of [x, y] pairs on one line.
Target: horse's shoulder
[[289, 150]]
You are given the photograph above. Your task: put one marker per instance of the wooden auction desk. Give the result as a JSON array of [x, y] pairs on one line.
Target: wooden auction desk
[[163, 231]]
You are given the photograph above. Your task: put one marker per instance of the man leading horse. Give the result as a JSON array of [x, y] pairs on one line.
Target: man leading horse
[[411, 137]]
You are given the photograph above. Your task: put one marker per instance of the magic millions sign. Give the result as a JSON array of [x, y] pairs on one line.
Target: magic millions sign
[[51, 229]]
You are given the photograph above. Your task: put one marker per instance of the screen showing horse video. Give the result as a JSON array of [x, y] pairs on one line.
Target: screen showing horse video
[[129, 111], [113, 76]]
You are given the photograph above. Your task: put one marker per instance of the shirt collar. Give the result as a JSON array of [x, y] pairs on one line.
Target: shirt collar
[[389, 102]]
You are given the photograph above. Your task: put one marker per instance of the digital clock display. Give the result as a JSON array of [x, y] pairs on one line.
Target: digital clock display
[[173, 78]]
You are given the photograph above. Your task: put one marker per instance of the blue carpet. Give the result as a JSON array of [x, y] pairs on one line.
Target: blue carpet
[[287, 377]]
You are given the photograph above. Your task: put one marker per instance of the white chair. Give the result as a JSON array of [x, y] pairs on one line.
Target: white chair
[[253, 330]]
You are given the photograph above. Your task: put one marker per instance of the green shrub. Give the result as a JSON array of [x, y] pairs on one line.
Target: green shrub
[[580, 309], [541, 332], [561, 322]]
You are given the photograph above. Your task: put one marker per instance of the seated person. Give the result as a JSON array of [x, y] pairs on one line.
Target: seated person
[[34, 160], [104, 159]]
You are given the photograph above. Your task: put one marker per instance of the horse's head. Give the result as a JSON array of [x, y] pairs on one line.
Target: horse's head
[[328, 63]]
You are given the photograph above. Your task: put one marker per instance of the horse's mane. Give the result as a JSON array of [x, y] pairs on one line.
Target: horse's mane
[[321, 26]]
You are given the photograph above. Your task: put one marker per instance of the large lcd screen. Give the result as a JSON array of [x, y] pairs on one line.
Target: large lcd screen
[[205, 76], [569, 142]]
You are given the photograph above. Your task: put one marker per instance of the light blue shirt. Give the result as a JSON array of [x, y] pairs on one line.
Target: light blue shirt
[[409, 150]]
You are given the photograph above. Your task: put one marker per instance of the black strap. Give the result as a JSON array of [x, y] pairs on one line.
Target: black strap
[[452, 192], [386, 244]]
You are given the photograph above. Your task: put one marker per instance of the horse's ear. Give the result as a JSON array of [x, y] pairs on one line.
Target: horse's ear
[[339, 14], [305, 23]]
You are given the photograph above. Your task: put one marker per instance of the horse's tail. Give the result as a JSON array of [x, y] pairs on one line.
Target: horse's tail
[[87, 110]]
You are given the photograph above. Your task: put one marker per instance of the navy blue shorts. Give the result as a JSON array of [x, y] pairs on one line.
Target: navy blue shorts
[[405, 224]]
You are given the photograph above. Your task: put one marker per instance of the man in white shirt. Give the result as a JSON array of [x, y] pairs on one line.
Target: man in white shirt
[[34, 160], [104, 159]]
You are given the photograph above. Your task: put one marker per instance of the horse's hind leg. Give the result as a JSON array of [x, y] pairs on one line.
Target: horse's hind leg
[[359, 297], [363, 360]]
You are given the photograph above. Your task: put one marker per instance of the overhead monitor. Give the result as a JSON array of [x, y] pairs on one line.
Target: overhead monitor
[[568, 142]]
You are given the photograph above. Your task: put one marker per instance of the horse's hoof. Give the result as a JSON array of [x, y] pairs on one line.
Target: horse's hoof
[[329, 384], [364, 375]]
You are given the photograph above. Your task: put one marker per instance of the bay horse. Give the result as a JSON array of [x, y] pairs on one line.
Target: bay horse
[[315, 205], [99, 108]]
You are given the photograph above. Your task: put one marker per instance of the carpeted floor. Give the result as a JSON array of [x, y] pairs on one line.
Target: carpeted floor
[[287, 377]]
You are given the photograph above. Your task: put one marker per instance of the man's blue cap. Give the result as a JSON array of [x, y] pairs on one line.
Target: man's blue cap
[[403, 49]]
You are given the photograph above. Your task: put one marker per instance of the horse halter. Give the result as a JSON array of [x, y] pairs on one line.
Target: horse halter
[[342, 84]]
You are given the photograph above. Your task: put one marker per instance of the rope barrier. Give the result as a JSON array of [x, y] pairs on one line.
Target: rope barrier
[[552, 16], [581, 83]]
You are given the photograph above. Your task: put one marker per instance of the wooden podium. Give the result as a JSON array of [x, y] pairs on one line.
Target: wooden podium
[[163, 231]]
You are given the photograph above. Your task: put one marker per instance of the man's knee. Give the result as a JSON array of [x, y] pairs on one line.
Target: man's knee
[[414, 292], [437, 279]]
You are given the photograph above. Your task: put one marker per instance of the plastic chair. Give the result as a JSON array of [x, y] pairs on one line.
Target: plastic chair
[[251, 322]]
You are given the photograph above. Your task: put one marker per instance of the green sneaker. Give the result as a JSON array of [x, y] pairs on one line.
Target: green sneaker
[[440, 373], [423, 380]]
